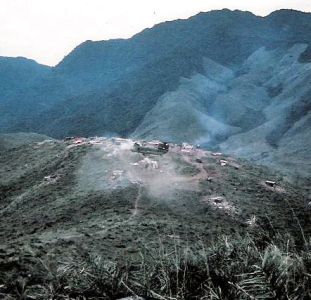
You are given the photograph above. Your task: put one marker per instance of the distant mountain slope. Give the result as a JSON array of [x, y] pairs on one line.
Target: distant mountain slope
[[218, 78], [285, 137], [18, 76], [98, 78], [18, 73], [260, 112]]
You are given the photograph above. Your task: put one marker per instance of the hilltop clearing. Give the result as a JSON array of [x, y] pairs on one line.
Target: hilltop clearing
[[98, 193], [96, 196]]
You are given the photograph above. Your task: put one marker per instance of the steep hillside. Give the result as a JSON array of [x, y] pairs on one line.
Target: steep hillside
[[18, 73], [284, 137], [18, 76], [259, 112]]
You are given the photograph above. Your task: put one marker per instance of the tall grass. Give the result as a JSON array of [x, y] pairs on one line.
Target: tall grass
[[231, 268]]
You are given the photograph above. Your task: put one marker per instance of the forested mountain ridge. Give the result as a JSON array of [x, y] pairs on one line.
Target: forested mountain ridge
[[226, 79]]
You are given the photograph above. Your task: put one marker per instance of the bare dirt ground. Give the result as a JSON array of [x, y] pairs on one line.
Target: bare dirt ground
[[58, 198]]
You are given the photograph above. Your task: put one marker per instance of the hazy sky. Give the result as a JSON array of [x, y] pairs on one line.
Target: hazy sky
[[46, 30]]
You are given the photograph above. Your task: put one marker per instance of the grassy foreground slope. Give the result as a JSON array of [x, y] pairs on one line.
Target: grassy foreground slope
[[96, 220]]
